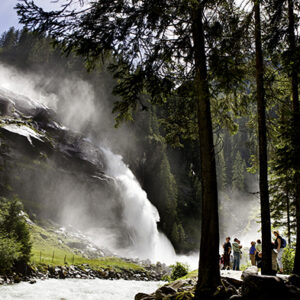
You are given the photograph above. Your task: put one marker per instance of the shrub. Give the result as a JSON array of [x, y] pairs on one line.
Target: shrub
[[179, 270], [288, 260], [13, 231], [10, 252]]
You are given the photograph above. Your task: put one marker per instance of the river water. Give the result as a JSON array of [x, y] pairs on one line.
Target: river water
[[77, 289]]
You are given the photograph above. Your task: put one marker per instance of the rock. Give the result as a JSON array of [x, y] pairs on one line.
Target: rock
[[294, 280], [44, 236], [17, 279], [230, 289], [164, 291], [178, 284], [235, 282], [142, 296], [32, 281], [264, 288], [250, 271]]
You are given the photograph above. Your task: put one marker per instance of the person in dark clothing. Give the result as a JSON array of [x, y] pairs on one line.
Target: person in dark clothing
[[227, 251], [279, 248]]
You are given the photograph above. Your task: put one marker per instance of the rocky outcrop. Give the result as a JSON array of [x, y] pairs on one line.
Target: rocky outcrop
[[252, 287], [58, 174]]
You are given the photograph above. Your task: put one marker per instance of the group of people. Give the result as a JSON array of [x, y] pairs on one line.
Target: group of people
[[233, 253]]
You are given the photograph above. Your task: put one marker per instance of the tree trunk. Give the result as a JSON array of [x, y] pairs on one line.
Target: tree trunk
[[263, 163], [288, 205], [209, 273], [296, 125]]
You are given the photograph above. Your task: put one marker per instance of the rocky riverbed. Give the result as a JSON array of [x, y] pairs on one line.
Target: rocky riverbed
[[150, 272]]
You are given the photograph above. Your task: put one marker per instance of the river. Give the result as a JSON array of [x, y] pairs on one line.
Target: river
[[77, 289]]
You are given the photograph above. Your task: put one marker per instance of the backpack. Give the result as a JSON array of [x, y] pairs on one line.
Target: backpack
[[283, 242]]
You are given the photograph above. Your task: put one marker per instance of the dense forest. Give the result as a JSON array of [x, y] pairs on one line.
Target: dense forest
[[213, 92]]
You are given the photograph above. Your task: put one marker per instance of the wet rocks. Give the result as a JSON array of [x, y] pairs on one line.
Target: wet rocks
[[164, 292], [262, 287], [142, 296], [250, 271], [83, 271], [252, 287]]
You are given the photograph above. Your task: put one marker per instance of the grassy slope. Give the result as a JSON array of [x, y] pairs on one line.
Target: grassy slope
[[45, 242]]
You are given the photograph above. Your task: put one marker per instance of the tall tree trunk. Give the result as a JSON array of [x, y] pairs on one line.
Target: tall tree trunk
[[288, 205], [209, 273], [296, 125], [263, 163]]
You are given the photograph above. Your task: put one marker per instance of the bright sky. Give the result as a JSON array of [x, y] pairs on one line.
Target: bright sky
[[8, 15], [9, 18]]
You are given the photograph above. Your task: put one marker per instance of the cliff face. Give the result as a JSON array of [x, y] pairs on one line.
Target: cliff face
[[57, 173], [62, 176]]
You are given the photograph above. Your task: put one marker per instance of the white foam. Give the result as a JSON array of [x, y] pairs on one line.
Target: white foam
[[77, 289]]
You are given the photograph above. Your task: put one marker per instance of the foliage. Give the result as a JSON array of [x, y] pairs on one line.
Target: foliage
[[288, 257], [179, 270], [239, 171], [15, 234], [10, 252]]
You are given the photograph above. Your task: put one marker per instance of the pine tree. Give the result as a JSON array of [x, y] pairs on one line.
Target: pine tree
[[221, 171], [239, 171], [262, 135]]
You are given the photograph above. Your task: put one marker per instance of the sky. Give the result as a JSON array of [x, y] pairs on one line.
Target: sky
[[9, 18], [8, 15]]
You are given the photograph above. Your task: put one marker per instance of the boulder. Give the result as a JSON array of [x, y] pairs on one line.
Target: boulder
[[229, 288], [234, 282], [2, 281], [179, 284], [164, 291], [294, 280], [253, 270], [264, 288], [143, 296]]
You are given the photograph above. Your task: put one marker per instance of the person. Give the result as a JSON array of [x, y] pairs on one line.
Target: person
[[227, 251], [279, 247], [236, 247], [258, 253], [258, 246], [252, 253]]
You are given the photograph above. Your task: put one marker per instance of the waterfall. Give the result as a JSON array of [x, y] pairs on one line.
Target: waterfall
[[139, 215], [87, 188]]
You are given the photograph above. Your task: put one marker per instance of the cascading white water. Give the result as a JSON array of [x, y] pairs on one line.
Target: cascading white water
[[139, 215]]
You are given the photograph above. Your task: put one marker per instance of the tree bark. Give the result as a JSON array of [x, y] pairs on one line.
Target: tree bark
[[288, 205], [263, 162], [209, 273], [296, 125]]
